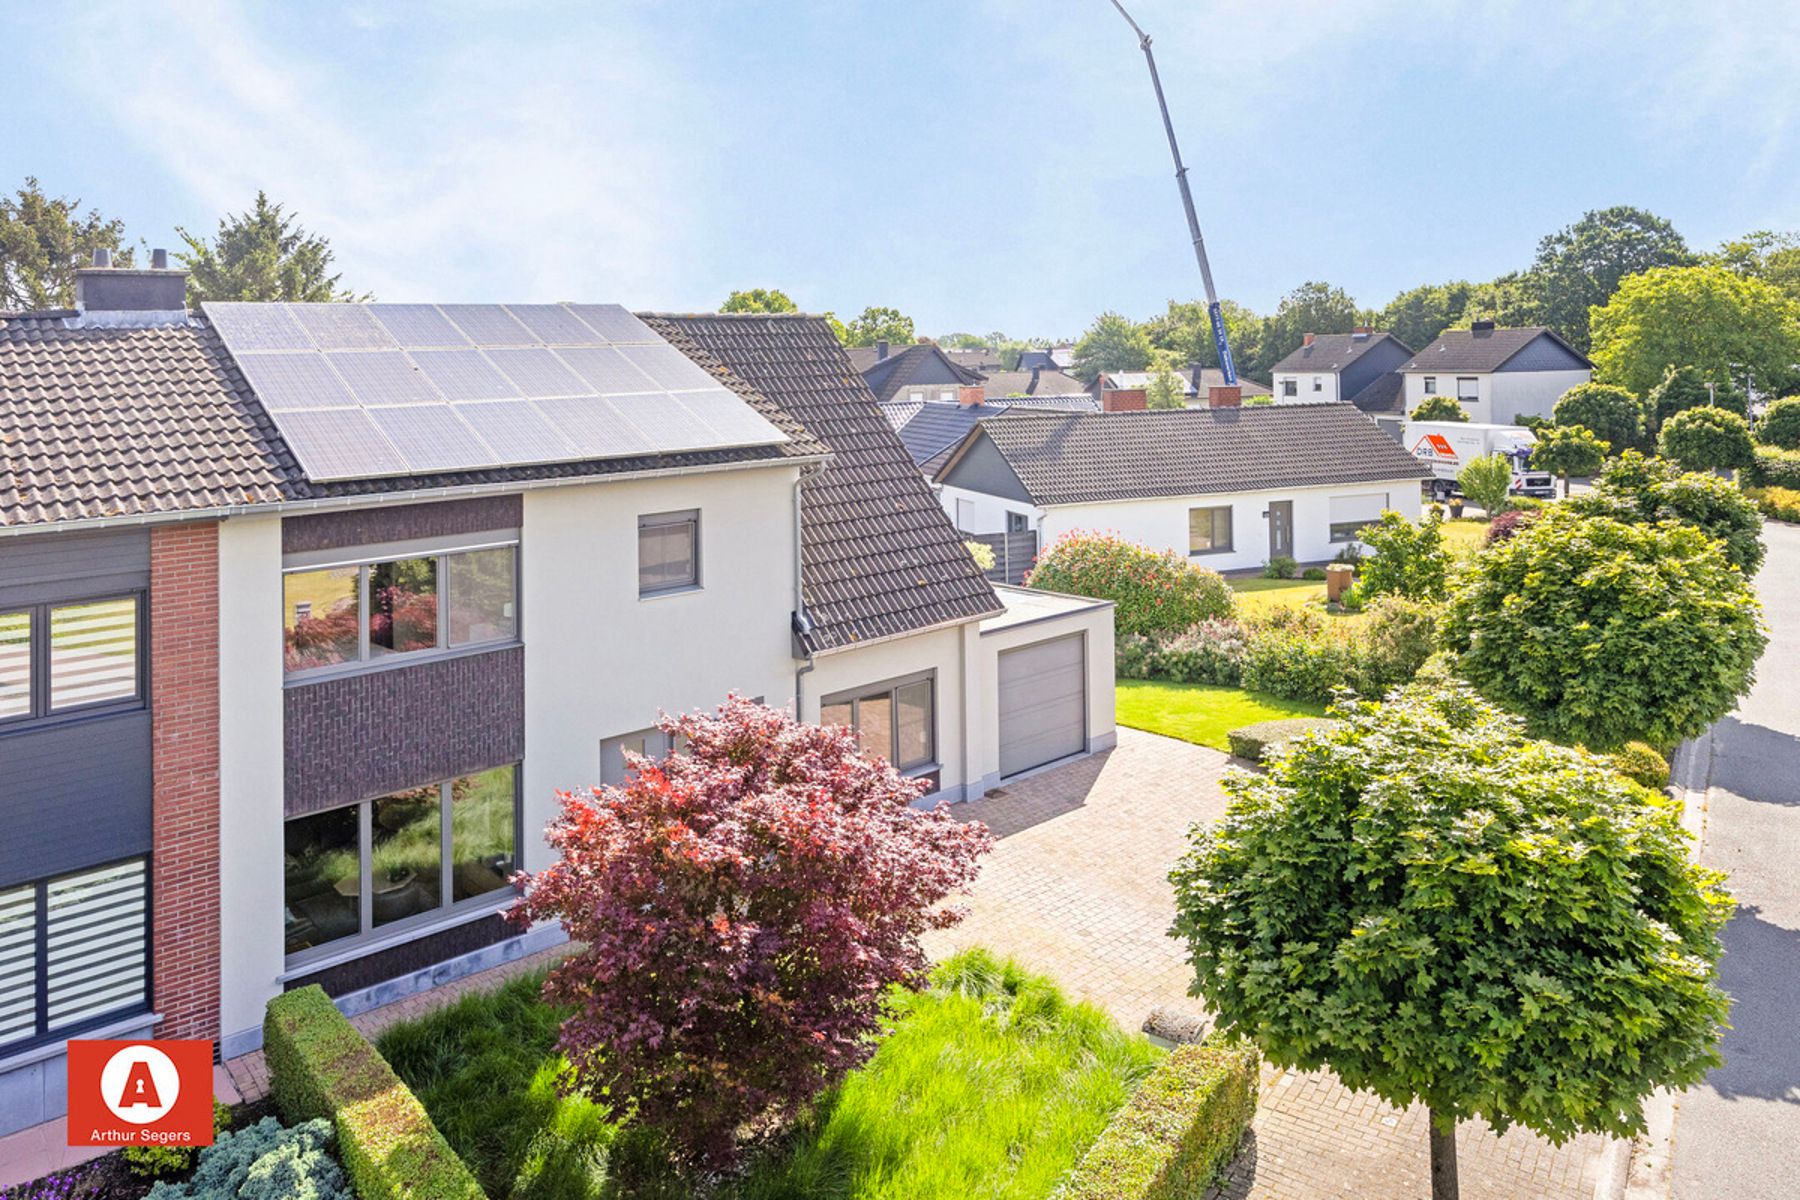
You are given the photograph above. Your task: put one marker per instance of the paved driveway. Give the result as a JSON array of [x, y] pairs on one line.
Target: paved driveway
[[1077, 888]]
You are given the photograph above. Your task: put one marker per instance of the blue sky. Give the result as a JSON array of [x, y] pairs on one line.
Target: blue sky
[[985, 164]]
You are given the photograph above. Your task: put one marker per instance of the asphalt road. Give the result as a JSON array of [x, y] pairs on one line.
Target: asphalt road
[[1737, 1136]]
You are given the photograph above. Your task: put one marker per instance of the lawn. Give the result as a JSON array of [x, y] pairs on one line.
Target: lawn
[[1462, 536], [1259, 594], [990, 1084], [1200, 712]]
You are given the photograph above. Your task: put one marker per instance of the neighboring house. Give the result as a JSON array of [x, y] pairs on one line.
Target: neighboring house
[[307, 612], [980, 359], [1361, 368], [1498, 374], [1228, 487], [921, 371], [936, 429], [1196, 382], [1039, 381]]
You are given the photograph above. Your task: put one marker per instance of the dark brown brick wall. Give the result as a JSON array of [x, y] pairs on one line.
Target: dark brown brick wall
[[407, 957], [184, 713], [366, 735], [399, 522]]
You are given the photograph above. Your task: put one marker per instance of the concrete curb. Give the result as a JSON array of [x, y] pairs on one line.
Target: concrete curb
[[1647, 1173]]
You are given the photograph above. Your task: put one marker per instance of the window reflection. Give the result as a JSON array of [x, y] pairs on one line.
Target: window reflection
[[319, 614], [402, 606]]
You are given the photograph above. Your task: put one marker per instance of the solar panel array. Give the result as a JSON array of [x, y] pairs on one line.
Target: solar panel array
[[360, 391]]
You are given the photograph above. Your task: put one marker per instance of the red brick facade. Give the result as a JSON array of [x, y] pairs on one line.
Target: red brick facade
[[184, 707]]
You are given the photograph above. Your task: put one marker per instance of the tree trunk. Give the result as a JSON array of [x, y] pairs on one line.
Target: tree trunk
[[1565, 486], [1443, 1161]]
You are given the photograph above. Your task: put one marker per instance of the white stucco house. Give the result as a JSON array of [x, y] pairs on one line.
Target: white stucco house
[[1497, 374], [1230, 488]]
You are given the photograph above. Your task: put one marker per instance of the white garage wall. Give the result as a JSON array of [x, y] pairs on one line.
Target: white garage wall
[[939, 651], [1163, 522]]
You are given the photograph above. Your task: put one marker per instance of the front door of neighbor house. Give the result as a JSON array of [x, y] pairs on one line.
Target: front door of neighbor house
[[1281, 529]]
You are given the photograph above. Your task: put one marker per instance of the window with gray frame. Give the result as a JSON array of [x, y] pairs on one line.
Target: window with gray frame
[[369, 609], [1017, 522], [668, 552], [1290, 387], [651, 743], [1468, 388], [74, 952], [1431, 385], [896, 720], [406, 857], [1209, 530], [76, 657]]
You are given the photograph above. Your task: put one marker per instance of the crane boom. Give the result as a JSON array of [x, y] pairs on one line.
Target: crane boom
[[1220, 341]]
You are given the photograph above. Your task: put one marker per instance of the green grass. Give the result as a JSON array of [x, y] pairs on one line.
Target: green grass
[[1200, 712], [990, 1084], [1259, 595]]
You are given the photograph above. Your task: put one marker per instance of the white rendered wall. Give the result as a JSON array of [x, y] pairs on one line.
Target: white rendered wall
[[1303, 387], [936, 650], [1446, 386], [1531, 393], [980, 512]]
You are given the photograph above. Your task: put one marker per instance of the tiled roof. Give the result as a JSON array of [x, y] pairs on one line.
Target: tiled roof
[[1061, 402], [1044, 382], [1335, 351], [1384, 394], [879, 557], [937, 427], [98, 423], [888, 375], [1210, 377], [1481, 349], [899, 412], [1082, 458]]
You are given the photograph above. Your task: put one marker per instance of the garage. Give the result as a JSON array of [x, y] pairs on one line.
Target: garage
[[1043, 703]]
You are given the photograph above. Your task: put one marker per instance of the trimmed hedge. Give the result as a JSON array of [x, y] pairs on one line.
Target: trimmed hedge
[[320, 1066], [1641, 764], [1177, 1133], [1254, 741], [1774, 467]]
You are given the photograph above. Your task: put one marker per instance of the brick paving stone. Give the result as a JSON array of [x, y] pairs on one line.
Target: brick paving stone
[[1077, 887]]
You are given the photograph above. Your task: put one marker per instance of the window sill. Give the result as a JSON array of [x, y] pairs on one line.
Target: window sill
[[320, 958], [1209, 553], [73, 716], [664, 593], [392, 663]]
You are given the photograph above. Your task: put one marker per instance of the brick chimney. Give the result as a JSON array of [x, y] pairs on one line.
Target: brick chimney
[[1307, 340], [1124, 400], [1220, 396], [1194, 376], [970, 394], [109, 295]]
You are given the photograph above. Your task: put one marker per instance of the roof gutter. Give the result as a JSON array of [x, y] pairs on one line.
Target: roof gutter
[[952, 623], [379, 499]]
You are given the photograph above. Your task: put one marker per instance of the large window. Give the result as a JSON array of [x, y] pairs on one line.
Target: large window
[[1209, 530], [399, 857], [57, 659], [1468, 388], [1290, 387], [895, 721], [345, 613], [74, 951], [668, 552]]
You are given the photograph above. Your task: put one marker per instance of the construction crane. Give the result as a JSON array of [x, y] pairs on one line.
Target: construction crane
[[1220, 341]]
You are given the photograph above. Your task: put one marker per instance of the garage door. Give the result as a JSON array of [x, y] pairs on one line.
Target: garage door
[[1043, 703]]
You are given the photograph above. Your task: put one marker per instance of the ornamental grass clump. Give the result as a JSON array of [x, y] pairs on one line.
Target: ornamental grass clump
[[1153, 591], [742, 907], [1445, 911]]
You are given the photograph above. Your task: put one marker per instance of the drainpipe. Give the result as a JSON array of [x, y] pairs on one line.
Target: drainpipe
[[802, 619]]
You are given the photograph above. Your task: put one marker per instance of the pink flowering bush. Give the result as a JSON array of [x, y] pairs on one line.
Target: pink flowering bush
[[1153, 591], [742, 908]]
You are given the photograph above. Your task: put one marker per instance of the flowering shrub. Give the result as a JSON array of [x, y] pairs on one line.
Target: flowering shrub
[[1211, 652], [1154, 591], [742, 907], [1507, 524]]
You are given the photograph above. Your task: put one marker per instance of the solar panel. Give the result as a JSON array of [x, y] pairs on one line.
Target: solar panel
[[668, 367], [341, 327], [606, 369], [488, 324], [614, 323], [464, 375], [363, 391], [383, 377], [538, 373], [596, 429], [555, 325], [256, 326], [418, 325], [339, 444], [431, 437], [517, 431], [289, 381]]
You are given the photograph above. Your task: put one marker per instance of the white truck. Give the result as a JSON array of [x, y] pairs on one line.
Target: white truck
[[1446, 447]]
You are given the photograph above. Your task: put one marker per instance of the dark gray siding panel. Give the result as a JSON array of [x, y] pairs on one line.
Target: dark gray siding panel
[[399, 523], [74, 794], [1384, 356], [41, 567], [984, 469], [1544, 353], [933, 371], [366, 735]]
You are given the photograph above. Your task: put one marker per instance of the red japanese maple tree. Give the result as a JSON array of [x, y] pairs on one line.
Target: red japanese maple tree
[[741, 906]]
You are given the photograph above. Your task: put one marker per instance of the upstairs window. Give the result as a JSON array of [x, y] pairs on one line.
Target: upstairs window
[[340, 614], [668, 552], [1318, 383], [1468, 388], [1431, 385], [61, 659]]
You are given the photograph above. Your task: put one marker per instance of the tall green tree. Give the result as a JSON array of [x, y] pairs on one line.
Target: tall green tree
[[877, 324], [1683, 388], [1313, 307], [1185, 330], [44, 240], [759, 300], [1446, 912], [1510, 300], [1580, 266], [1112, 343], [261, 254], [1771, 257], [1165, 390], [1727, 327], [1417, 315]]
